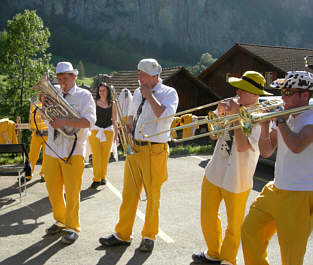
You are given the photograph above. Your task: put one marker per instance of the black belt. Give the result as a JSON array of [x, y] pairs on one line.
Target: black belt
[[144, 143], [43, 133]]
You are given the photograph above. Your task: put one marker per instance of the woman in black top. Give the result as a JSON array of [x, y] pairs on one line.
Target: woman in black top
[[102, 134]]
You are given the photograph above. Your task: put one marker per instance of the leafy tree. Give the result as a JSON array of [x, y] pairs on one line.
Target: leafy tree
[[81, 70], [206, 60], [24, 62]]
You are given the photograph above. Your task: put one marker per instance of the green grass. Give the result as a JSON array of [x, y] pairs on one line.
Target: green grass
[[191, 149], [185, 150], [3, 79], [86, 81], [10, 159], [91, 69], [178, 150]]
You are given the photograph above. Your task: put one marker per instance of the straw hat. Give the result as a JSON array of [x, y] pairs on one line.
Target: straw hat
[[251, 81], [66, 67]]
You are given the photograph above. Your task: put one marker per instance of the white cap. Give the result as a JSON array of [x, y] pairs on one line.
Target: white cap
[[295, 79], [150, 66], [66, 67]]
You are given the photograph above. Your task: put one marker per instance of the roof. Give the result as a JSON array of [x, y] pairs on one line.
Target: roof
[[129, 79], [283, 58]]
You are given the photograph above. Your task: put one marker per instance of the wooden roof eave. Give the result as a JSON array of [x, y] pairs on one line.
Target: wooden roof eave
[[198, 82], [262, 60], [224, 57]]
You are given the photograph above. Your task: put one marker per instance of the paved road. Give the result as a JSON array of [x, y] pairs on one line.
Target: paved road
[[22, 225]]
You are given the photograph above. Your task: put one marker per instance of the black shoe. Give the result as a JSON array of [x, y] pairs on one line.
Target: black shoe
[[69, 237], [24, 180], [54, 229], [146, 245], [95, 184], [110, 241], [42, 179], [201, 258], [103, 182]]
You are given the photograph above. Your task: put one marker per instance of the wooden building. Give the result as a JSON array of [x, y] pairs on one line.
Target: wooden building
[[273, 62], [192, 92]]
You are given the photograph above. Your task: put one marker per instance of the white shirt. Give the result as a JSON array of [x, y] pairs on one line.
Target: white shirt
[[230, 169], [294, 171], [82, 102], [168, 97], [125, 99]]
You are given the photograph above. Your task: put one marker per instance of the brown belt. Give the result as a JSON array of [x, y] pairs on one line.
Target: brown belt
[[141, 143], [43, 133]]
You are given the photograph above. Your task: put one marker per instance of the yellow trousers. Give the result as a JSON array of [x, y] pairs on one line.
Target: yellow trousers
[[211, 197], [150, 162], [59, 174], [289, 213], [100, 154], [35, 146]]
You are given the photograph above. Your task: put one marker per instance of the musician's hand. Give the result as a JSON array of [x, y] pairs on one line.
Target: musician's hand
[[146, 90], [116, 140], [286, 117], [221, 109], [43, 99], [58, 123], [129, 126], [232, 106]]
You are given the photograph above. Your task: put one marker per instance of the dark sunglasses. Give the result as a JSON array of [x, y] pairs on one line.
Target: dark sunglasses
[[288, 92]]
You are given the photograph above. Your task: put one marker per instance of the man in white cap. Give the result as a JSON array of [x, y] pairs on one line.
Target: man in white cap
[[229, 176], [285, 205], [65, 156], [148, 166]]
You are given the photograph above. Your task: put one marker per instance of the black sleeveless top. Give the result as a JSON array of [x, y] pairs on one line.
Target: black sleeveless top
[[104, 117]]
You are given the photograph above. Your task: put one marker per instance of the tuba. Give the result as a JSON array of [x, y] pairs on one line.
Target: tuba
[[55, 106]]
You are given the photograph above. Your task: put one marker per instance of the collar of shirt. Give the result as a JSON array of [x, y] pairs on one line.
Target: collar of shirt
[[71, 91], [158, 86]]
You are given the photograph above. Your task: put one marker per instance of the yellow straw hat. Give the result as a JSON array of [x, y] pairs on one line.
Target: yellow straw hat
[[251, 81]]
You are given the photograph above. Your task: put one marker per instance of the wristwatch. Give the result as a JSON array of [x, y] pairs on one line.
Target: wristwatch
[[280, 120]]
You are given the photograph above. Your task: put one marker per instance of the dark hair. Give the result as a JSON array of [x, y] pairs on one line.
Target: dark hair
[[109, 94]]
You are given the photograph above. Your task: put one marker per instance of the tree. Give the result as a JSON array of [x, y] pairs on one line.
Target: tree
[[206, 60], [24, 61], [81, 70]]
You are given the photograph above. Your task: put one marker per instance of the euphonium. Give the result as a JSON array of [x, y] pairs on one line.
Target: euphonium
[[55, 106]]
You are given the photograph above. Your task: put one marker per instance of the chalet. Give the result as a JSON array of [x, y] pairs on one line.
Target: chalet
[[273, 62], [192, 92]]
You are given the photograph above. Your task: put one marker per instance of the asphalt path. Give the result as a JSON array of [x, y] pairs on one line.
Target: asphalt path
[[22, 225]]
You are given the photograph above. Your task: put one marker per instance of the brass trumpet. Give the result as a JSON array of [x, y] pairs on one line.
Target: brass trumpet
[[216, 124], [177, 114], [125, 137], [247, 120], [127, 142]]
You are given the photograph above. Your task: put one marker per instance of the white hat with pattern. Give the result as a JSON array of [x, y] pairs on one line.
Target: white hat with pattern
[[150, 66]]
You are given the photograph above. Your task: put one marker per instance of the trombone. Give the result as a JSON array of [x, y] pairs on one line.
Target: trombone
[[216, 124], [127, 142], [247, 120], [176, 114]]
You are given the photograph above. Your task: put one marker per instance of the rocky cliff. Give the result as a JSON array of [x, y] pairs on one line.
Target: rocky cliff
[[188, 25]]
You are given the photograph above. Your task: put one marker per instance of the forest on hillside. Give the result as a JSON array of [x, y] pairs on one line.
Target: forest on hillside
[[116, 34]]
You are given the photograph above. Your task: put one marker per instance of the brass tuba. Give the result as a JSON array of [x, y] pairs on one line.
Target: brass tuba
[[55, 106]]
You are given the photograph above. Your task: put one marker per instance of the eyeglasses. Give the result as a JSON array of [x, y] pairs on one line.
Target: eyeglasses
[[288, 92]]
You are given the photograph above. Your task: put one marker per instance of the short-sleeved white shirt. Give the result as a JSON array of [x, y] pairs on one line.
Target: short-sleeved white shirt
[[82, 102], [168, 97], [294, 171], [230, 169]]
